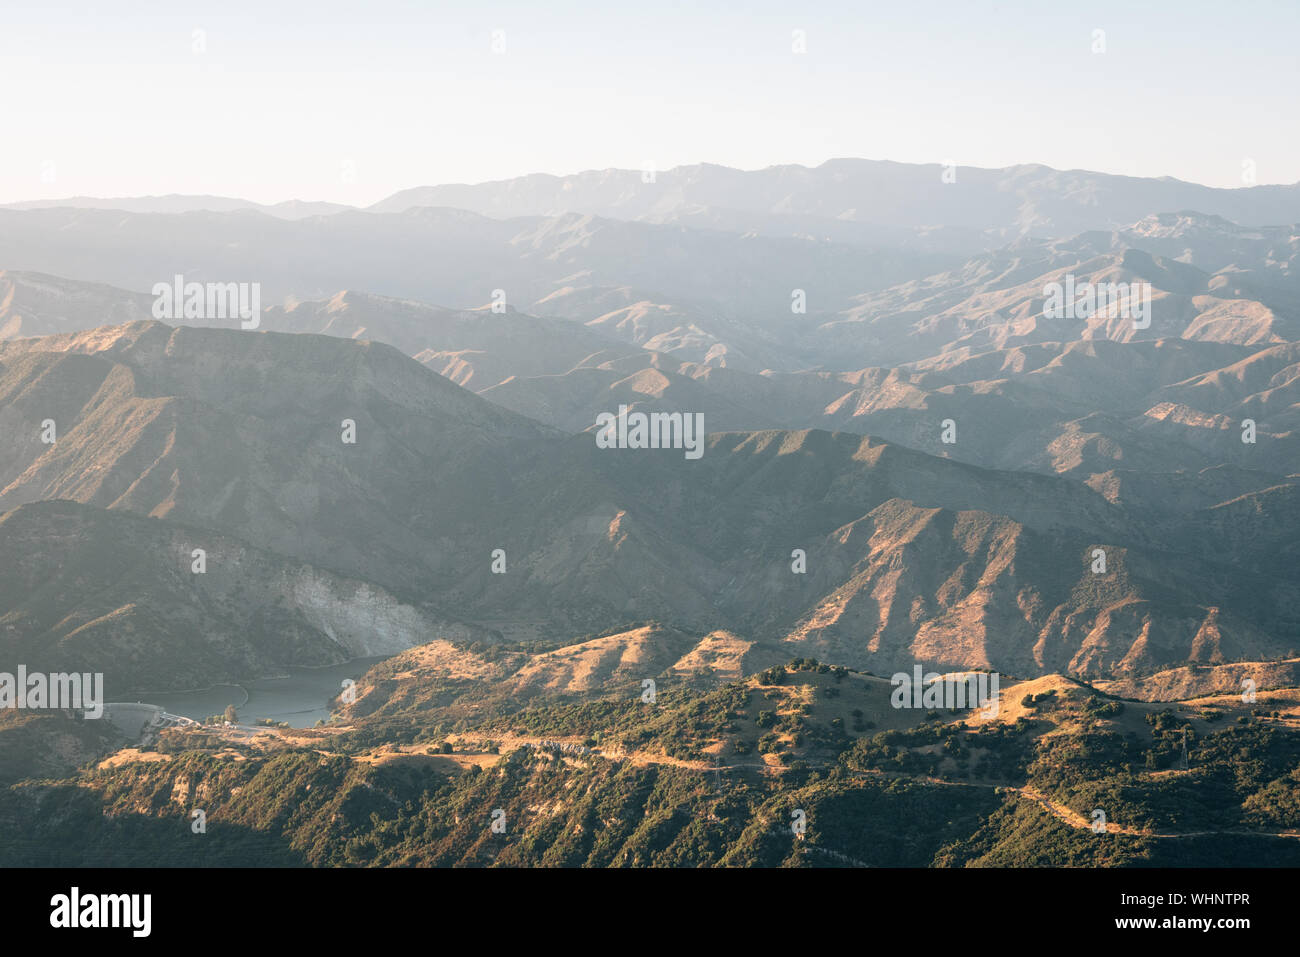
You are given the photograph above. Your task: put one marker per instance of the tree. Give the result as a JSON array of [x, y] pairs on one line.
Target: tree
[[230, 714]]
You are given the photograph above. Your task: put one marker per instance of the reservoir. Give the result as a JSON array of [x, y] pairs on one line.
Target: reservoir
[[300, 698]]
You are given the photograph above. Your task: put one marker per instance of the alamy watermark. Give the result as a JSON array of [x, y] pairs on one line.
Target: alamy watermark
[[209, 300], [40, 691], [76, 909], [932, 691], [651, 430], [1083, 300]]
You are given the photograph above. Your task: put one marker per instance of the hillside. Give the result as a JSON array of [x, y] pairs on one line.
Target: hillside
[[709, 779], [108, 591]]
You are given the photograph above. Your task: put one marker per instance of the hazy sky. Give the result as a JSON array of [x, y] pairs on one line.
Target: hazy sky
[[353, 101]]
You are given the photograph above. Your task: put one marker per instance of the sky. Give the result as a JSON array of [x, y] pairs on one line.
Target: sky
[[351, 102]]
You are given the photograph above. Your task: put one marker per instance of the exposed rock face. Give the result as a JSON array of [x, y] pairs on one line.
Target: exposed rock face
[[363, 619]]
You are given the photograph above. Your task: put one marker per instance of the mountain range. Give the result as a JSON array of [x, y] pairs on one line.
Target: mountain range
[[872, 202], [909, 555], [945, 451]]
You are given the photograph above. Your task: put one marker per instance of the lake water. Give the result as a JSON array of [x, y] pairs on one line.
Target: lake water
[[299, 699]]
